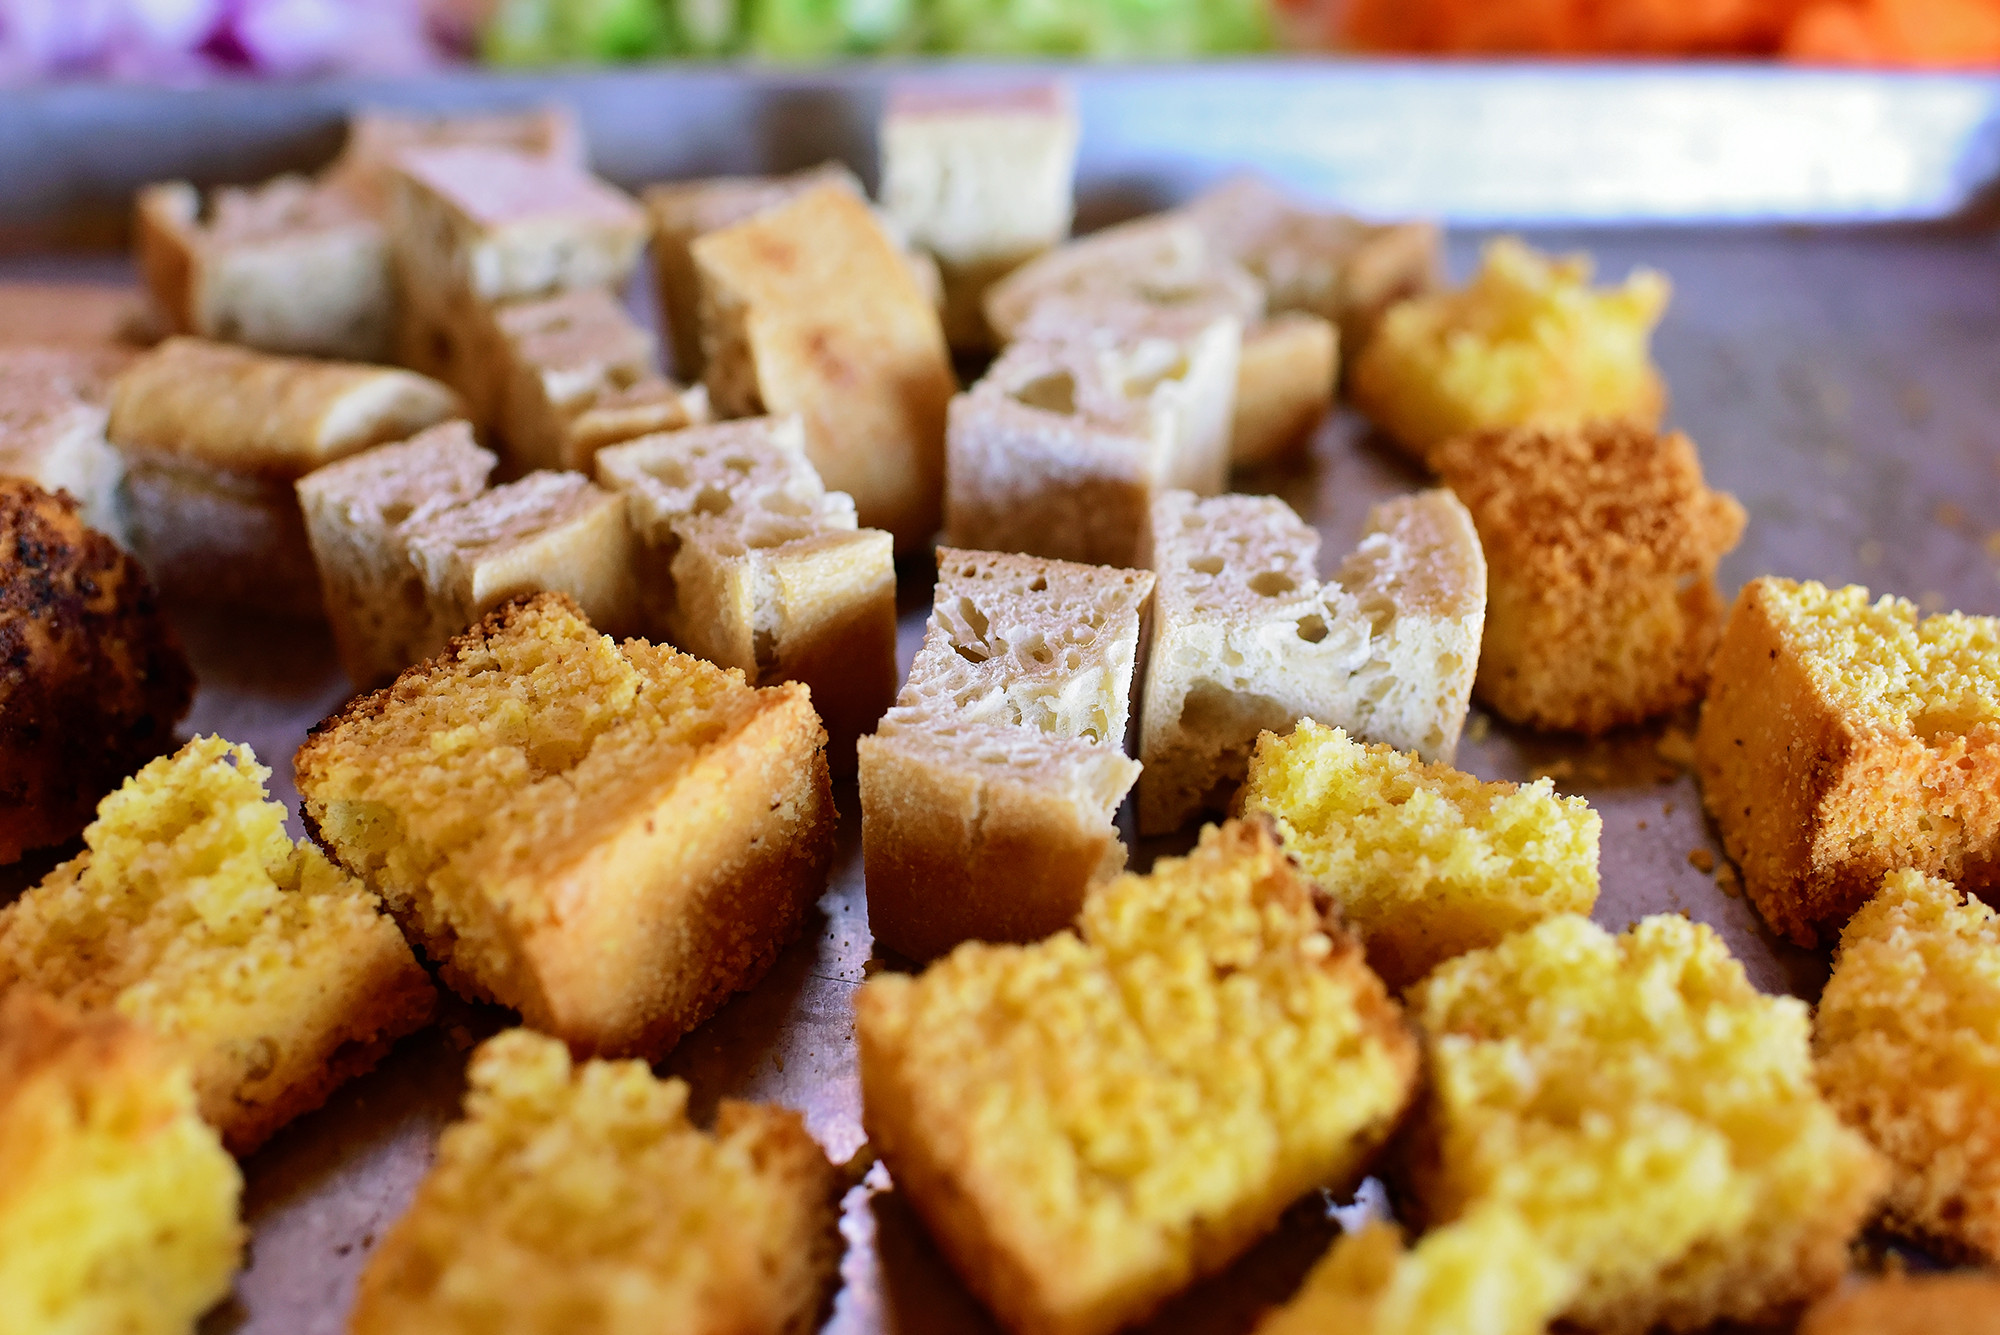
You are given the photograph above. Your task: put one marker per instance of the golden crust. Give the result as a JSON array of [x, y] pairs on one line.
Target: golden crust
[[1601, 546], [1898, 1304]]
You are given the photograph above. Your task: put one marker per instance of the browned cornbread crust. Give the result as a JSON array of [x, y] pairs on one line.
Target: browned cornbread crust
[[1822, 778], [612, 839], [1601, 546], [92, 678], [1965, 1303]]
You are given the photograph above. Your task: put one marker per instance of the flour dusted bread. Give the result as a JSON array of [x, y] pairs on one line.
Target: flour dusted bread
[[1246, 638], [618, 838], [1089, 415], [988, 792], [810, 309], [747, 560], [213, 438], [192, 912], [93, 681], [1284, 387], [55, 402], [118, 1208], [578, 1196], [292, 266], [983, 180], [376, 137], [1842, 740], [360, 514], [1090, 1123]]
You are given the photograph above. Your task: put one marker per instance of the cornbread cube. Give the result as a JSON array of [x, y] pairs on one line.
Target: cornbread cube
[[1649, 1113], [54, 404], [1908, 1055], [485, 224], [809, 308], [1528, 342], [554, 532], [1601, 542], [1327, 264], [745, 559], [117, 1204], [214, 436], [376, 137], [1089, 1124], [360, 514], [1062, 447], [579, 1197], [292, 266], [609, 838], [94, 681], [1897, 1304], [1246, 639], [984, 180], [988, 792], [1163, 260], [1284, 387], [1843, 740], [192, 912], [1426, 863], [1484, 1274], [567, 356]]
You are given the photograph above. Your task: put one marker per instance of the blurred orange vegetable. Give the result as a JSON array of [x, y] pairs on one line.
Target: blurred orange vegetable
[[1937, 34]]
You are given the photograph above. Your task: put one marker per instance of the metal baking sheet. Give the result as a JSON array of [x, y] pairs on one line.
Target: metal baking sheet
[[1844, 382]]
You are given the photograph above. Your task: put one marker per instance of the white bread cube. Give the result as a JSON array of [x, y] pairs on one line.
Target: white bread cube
[[1285, 384], [747, 560], [1246, 638], [292, 266], [1061, 448], [988, 793], [1164, 260], [810, 308], [359, 513], [213, 437], [548, 532], [54, 407], [984, 181], [376, 137]]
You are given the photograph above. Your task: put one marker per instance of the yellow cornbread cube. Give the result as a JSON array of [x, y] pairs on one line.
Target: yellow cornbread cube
[[612, 839], [117, 1204], [1842, 740], [1426, 862], [192, 912], [1909, 1054], [1528, 341], [1482, 1275], [1651, 1116], [578, 1198], [1090, 1123]]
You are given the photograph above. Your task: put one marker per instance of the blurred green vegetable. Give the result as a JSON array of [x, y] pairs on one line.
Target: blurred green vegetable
[[548, 32]]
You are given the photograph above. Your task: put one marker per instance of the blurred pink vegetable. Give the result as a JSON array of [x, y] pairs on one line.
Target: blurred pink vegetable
[[182, 40]]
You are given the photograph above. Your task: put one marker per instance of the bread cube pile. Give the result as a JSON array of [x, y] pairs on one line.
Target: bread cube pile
[[621, 608]]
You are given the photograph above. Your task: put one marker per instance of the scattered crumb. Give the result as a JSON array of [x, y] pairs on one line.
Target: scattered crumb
[[1869, 553], [1993, 544], [460, 1037], [1676, 747], [1481, 726], [1701, 859], [1949, 515], [1642, 825], [778, 1060], [1556, 769], [1727, 881], [1667, 810], [1931, 602]]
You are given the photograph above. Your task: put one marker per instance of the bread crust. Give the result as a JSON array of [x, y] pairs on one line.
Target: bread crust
[[1284, 387]]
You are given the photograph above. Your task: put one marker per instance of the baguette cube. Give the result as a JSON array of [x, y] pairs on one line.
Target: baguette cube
[[95, 680], [55, 402], [214, 437], [810, 308], [609, 838], [192, 912], [118, 1207], [360, 514], [1649, 1113], [553, 532], [1601, 545], [746, 560], [1246, 639], [1965, 1302], [292, 266], [1528, 342], [1060, 450], [1090, 1123], [1426, 863], [982, 180], [376, 138], [1284, 387], [1843, 740], [1908, 1054], [988, 792], [579, 1197]]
